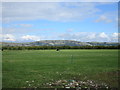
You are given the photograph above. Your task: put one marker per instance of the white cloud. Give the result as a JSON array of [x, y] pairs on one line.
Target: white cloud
[[108, 17], [78, 36], [8, 37], [53, 11], [48, 11], [90, 36], [103, 35], [31, 37], [103, 18], [115, 34]]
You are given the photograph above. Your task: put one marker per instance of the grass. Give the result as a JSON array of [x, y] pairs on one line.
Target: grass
[[34, 68]]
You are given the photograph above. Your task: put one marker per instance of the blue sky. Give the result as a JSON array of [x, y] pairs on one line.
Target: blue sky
[[81, 21]]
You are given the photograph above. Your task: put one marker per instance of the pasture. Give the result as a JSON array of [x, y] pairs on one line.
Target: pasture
[[37, 68]]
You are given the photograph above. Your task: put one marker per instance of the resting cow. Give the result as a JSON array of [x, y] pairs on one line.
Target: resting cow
[[57, 49]]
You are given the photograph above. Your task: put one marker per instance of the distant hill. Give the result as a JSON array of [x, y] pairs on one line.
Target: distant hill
[[61, 43]]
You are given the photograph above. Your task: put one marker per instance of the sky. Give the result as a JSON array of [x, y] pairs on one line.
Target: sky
[[80, 21]]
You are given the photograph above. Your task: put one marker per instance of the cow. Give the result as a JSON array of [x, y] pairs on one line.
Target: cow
[[57, 49]]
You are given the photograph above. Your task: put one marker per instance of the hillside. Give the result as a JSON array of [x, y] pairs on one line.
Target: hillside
[[61, 43]]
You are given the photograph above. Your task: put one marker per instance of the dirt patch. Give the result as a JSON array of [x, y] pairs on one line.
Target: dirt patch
[[76, 84]]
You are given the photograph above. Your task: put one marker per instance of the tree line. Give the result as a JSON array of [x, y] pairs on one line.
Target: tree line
[[57, 47]]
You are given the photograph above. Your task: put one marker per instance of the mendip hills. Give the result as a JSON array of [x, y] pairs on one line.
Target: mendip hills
[[60, 43]]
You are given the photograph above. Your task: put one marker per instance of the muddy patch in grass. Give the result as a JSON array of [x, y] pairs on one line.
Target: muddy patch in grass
[[76, 84], [105, 80]]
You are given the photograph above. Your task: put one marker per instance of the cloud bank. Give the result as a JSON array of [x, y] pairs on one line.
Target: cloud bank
[[91, 36], [8, 37], [63, 12], [31, 37], [79, 36], [57, 12]]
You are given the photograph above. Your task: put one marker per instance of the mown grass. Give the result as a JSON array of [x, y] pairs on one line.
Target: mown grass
[[42, 66]]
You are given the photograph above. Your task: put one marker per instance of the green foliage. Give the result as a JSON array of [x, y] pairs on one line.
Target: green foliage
[[55, 47]]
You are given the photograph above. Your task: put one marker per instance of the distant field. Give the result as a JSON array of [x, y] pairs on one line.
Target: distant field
[[35, 68]]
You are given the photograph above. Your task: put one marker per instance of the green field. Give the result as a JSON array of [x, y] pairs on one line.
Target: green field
[[35, 68]]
